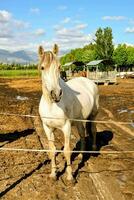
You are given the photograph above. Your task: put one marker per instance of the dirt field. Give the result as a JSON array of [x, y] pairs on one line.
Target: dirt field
[[25, 175]]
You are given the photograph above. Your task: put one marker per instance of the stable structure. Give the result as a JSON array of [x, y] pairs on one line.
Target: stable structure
[[93, 72], [97, 76], [68, 65]]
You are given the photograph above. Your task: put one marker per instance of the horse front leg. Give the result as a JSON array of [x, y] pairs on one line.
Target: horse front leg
[[52, 148], [67, 134]]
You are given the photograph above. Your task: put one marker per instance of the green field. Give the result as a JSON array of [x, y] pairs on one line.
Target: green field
[[19, 73]]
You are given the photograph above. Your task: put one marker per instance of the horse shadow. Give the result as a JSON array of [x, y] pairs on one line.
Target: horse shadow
[[11, 137], [102, 139], [27, 175]]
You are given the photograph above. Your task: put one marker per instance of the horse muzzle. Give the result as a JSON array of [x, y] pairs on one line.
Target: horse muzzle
[[56, 97]]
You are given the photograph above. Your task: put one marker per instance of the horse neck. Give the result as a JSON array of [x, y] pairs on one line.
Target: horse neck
[[45, 94]]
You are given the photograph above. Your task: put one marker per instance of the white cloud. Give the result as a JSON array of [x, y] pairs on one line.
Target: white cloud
[[62, 7], [20, 24], [70, 38], [5, 16], [77, 22], [16, 34], [66, 20], [131, 21], [81, 26], [6, 32], [8, 23], [116, 18], [57, 26], [129, 30], [35, 10], [75, 31], [40, 32]]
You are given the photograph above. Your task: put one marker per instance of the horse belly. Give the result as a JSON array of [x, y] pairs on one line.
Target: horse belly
[[86, 104]]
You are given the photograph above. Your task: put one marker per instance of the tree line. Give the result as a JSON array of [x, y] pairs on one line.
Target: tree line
[[17, 66], [102, 48]]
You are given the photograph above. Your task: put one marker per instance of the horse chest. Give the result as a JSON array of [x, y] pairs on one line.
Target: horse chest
[[52, 115]]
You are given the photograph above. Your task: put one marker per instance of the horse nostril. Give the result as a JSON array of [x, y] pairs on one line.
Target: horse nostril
[[60, 92], [55, 97], [52, 93]]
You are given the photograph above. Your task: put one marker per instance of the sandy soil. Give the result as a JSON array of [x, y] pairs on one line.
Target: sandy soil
[[25, 175]]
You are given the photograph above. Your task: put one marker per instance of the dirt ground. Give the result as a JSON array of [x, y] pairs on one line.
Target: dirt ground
[[25, 175]]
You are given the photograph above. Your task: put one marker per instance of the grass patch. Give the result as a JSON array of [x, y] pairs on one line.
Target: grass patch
[[19, 73]]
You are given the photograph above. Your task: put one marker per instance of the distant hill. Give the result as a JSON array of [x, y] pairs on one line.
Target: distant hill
[[21, 56]]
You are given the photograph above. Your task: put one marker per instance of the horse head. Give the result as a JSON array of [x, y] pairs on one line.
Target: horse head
[[49, 66]]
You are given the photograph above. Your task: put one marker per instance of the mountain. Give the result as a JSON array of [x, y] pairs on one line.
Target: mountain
[[21, 56]]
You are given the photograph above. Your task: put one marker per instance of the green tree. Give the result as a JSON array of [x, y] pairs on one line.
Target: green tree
[[85, 54], [130, 56], [66, 58], [88, 55], [104, 45], [120, 55]]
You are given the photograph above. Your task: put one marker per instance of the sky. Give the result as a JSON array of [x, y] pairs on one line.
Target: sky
[[26, 24]]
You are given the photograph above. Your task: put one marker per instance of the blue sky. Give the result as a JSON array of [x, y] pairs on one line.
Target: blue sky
[[71, 24]]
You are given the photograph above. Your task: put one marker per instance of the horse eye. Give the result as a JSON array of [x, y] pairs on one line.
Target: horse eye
[[42, 68], [59, 67]]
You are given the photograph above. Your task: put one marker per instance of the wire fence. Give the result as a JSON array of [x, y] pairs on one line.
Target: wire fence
[[71, 119], [62, 151]]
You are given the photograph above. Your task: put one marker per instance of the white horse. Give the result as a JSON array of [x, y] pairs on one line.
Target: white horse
[[60, 101]]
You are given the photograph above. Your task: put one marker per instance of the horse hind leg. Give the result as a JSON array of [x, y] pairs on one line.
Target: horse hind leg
[[93, 132], [81, 131], [93, 124], [93, 128]]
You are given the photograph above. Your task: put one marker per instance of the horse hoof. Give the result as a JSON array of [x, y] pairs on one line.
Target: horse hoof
[[70, 178], [53, 177], [70, 181], [80, 156], [94, 147]]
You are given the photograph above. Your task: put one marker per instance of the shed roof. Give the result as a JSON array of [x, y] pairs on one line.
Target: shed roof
[[77, 63], [94, 62], [68, 64]]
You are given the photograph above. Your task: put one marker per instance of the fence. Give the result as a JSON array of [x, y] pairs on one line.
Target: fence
[[60, 151], [102, 77]]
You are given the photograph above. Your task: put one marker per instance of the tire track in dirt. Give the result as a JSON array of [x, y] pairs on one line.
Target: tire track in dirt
[[102, 189], [122, 127]]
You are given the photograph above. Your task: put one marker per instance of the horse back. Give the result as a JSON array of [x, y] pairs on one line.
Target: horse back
[[87, 95]]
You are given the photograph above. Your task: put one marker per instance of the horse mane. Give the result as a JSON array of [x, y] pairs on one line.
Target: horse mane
[[47, 59]]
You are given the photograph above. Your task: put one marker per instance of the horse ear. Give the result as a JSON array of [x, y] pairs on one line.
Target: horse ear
[[55, 49], [40, 51]]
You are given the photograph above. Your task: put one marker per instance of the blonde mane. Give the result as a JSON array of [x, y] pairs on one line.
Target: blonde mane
[[47, 58]]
